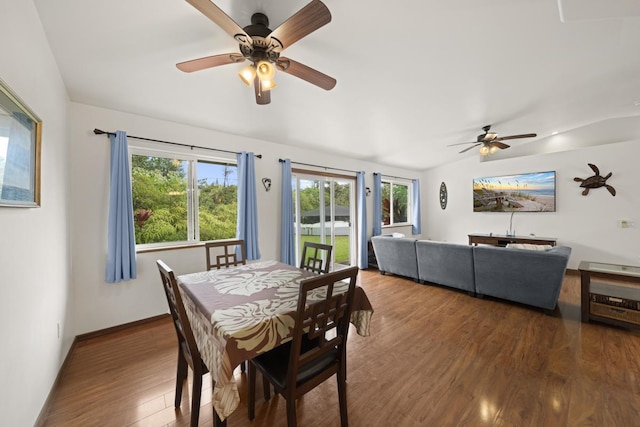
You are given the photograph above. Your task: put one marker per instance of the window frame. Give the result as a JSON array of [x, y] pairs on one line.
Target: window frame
[[405, 183], [193, 220], [332, 178]]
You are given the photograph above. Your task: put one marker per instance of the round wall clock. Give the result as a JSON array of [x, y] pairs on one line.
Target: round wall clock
[[443, 196]]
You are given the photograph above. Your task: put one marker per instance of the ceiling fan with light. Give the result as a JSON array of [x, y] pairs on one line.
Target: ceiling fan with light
[[262, 47], [490, 142]]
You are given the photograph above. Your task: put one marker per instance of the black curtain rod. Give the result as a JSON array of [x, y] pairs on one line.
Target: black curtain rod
[[344, 170], [101, 132], [397, 177], [317, 166]]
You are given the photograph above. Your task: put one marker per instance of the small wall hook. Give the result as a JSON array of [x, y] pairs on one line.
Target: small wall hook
[[267, 183], [367, 191]]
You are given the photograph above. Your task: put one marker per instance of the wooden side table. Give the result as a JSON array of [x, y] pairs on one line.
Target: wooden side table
[[372, 260], [616, 301]]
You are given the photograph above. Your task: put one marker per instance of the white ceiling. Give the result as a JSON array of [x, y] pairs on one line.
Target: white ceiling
[[413, 76]]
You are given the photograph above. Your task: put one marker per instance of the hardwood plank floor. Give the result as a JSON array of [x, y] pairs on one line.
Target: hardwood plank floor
[[435, 357]]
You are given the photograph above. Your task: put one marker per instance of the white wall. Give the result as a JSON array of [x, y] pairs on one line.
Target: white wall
[[34, 242], [101, 305], [588, 224]]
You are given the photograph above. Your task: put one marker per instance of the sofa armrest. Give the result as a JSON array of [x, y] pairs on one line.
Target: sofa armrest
[[520, 275], [396, 255]]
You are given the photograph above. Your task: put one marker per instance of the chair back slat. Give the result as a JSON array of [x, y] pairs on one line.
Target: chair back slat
[[229, 256], [316, 257]]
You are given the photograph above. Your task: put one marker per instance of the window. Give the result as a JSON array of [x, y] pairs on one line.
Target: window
[[182, 199], [396, 198]]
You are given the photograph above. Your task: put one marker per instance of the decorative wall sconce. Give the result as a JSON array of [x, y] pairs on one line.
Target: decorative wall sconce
[[367, 191], [267, 183]]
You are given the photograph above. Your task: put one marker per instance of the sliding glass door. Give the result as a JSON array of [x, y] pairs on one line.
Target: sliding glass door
[[324, 213]]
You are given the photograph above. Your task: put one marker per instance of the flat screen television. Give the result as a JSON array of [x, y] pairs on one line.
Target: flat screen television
[[526, 192]]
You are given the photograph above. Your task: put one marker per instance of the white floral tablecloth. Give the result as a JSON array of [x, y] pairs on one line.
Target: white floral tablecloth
[[240, 312]]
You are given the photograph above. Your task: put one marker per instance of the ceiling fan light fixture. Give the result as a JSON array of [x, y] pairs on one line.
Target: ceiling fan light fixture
[[247, 74], [490, 143], [267, 84], [262, 46], [265, 70]]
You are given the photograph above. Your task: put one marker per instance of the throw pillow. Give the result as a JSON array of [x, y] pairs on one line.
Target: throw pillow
[[529, 246]]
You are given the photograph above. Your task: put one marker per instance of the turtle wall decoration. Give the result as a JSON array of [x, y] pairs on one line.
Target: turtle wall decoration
[[595, 181]]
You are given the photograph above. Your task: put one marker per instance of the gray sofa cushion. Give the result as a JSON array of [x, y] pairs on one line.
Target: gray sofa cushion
[[396, 255], [528, 277], [448, 264]]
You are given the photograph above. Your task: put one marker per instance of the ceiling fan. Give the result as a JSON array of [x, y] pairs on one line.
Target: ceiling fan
[[261, 46], [491, 142]]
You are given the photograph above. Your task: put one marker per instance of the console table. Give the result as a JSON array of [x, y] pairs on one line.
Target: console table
[[504, 240], [616, 300], [371, 255]]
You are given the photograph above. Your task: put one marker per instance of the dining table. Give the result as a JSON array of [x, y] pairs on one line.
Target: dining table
[[239, 312]]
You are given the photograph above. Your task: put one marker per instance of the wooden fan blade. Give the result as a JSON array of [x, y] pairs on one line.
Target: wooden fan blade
[[303, 72], [209, 62], [499, 144], [524, 135], [305, 21], [223, 20], [467, 149], [462, 143], [263, 97]]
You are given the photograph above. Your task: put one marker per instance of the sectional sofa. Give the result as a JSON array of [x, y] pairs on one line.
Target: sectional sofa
[[520, 275]]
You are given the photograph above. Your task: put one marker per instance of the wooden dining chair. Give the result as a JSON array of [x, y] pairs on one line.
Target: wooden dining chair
[[188, 354], [318, 348], [229, 257], [316, 257]]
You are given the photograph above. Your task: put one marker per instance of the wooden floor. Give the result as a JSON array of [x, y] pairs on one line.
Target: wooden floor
[[436, 357]]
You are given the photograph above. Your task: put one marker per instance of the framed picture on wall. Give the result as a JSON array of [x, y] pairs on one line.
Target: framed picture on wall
[[20, 138], [525, 192]]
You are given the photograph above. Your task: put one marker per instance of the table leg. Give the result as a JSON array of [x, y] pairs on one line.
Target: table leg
[[585, 278], [217, 422]]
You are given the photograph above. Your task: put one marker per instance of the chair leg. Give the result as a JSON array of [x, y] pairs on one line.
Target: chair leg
[[266, 388], [291, 412], [343, 364], [216, 420], [342, 398], [195, 398], [251, 404], [181, 375]]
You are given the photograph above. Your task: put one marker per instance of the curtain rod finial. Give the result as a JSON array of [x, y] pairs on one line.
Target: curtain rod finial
[[99, 132]]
